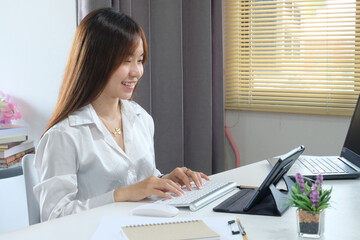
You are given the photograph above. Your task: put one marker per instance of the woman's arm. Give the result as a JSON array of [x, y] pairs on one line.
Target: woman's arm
[[57, 167]]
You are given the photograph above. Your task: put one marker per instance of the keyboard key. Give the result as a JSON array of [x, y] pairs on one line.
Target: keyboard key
[[308, 165], [337, 166], [321, 165], [331, 165]]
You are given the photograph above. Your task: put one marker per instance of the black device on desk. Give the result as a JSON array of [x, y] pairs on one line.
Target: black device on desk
[[344, 166], [266, 200]]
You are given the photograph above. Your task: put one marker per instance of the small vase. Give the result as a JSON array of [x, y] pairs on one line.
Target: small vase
[[310, 224]]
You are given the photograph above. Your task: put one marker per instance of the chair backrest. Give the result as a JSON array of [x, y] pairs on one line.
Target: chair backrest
[[31, 179]]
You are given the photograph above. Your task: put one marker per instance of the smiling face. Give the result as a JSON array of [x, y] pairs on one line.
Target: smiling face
[[124, 79]]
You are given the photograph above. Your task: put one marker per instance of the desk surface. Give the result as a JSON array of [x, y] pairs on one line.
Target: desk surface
[[341, 219]]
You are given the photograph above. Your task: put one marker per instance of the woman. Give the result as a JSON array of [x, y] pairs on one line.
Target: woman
[[98, 145]]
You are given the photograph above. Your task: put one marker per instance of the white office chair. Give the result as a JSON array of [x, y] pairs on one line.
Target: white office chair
[[31, 179], [13, 207]]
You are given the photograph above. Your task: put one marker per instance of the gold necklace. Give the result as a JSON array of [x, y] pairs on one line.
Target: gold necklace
[[117, 131]]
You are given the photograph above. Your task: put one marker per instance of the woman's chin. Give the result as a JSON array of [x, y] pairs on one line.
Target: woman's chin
[[126, 96]]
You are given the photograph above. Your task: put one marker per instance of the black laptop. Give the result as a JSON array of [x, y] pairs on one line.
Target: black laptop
[[345, 166]]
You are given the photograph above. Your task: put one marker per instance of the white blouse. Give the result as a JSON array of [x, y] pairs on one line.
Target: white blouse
[[80, 164]]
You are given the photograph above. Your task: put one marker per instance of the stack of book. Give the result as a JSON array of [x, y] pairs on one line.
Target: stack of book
[[14, 144]]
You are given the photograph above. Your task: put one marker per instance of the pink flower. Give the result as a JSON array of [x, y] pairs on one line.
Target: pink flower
[[8, 110]]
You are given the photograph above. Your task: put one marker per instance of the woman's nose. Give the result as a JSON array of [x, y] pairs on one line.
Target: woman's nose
[[136, 70]]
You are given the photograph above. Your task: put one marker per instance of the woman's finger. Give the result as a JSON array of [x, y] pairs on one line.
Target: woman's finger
[[195, 176], [167, 185], [157, 192], [184, 177], [204, 176]]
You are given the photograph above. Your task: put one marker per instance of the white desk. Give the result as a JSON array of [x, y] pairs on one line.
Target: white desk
[[341, 220]]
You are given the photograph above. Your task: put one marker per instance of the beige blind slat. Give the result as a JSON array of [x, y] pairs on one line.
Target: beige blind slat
[[292, 55]]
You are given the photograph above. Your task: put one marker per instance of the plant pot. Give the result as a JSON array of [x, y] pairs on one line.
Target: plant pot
[[310, 224]]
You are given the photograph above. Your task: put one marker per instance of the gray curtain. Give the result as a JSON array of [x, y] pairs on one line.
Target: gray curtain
[[182, 86]]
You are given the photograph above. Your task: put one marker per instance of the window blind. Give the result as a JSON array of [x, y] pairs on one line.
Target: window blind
[[292, 56]]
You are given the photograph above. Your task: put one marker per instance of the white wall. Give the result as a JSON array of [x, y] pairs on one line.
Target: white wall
[[259, 136], [35, 39]]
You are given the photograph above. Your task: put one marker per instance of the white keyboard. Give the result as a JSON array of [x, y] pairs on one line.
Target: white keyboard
[[198, 198]]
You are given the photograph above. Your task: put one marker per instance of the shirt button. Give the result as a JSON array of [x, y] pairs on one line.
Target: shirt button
[[132, 175]]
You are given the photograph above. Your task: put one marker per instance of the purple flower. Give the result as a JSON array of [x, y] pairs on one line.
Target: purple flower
[[319, 181], [300, 180], [315, 186], [314, 197], [320, 178]]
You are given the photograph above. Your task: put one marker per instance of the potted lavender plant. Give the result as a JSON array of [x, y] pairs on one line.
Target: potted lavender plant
[[311, 202]]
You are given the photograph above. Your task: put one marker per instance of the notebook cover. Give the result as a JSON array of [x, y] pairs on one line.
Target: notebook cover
[[194, 229]]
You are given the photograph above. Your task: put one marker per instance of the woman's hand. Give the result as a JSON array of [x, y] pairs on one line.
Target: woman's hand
[[184, 176], [146, 188]]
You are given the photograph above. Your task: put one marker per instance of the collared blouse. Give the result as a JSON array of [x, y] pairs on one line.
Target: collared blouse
[[80, 164]]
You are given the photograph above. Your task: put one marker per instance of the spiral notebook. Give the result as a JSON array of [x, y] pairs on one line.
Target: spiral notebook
[[191, 229]]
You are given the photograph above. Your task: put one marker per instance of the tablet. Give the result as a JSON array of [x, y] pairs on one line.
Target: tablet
[[283, 164]]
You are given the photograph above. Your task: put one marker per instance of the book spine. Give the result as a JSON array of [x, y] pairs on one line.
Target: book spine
[[16, 161], [14, 130], [17, 149], [11, 139], [9, 145], [8, 160]]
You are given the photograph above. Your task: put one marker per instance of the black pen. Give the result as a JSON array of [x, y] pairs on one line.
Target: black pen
[[242, 230]]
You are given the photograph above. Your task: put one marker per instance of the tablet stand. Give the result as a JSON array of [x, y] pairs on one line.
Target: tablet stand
[[281, 197], [273, 204], [266, 200]]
